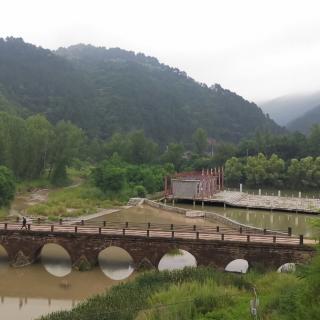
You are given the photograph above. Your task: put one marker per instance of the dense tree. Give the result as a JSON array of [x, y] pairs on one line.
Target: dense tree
[[174, 154], [7, 186], [109, 177], [234, 171], [140, 149], [13, 142], [314, 140], [39, 136], [104, 91], [65, 147], [200, 141]]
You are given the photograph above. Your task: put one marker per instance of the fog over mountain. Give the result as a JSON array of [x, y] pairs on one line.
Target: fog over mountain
[[305, 122], [286, 108]]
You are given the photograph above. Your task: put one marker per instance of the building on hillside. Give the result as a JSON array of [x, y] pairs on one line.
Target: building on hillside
[[194, 185]]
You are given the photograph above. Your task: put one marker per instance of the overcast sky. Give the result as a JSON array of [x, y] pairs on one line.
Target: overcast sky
[[260, 49]]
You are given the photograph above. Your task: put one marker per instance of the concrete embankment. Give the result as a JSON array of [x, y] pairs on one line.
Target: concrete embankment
[[215, 216], [264, 202]]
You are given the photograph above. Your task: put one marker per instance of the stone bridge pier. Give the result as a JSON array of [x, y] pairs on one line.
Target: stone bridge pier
[[24, 247]]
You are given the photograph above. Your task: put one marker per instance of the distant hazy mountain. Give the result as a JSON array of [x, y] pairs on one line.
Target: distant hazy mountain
[[287, 108], [306, 121]]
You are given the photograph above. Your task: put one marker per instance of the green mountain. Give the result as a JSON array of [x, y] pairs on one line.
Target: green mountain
[[306, 121], [108, 90]]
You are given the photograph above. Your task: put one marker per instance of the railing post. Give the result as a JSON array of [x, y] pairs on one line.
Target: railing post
[[5, 226], [248, 238], [290, 231], [240, 229], [218, 228], [123, 232], [38, 220], [264, 231], [82, 222], [197, 235], [127, 224], [301, 239], [75, 229], [172, 234], [194, 227], [52, 228], [29, 226], [149, 225], [274, 239], [99, 230], [104, 223], [148, 233], [171, 226], [222, 236]]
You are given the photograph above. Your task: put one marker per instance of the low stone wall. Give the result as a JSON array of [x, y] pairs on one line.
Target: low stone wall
[[219, 218]]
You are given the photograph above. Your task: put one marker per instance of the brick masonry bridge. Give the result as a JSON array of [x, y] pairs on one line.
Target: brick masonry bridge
[[210, 247]]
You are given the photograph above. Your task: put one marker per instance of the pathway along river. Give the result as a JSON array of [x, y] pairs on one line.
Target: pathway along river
[[26, 293]]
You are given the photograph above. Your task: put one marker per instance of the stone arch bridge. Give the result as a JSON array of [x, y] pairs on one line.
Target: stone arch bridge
[[147, 247]]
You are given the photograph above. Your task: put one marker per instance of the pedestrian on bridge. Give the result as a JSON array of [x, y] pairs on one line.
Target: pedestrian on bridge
[[24, 223]]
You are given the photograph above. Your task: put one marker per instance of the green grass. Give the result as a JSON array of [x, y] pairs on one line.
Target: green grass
[[205, 294], [72, 202], [4, 212], [29, 185]]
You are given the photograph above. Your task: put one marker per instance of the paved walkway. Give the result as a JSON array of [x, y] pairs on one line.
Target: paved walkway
[[159, 231], [241, 199]]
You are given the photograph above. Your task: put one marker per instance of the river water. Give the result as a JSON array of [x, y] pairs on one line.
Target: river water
[[276, 220], [50, 285]]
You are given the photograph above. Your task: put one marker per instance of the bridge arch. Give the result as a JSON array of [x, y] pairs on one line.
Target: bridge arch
[[55, 259], [237, 265], [177, 258], [287, 267], [116, 262], [62, 244]]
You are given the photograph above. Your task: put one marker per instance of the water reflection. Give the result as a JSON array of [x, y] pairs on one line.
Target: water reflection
[[276, 220], [4, 260], [56, 260], [116, 263], [26, 293], [177, 260]]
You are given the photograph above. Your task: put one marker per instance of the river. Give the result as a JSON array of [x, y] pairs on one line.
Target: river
[[276, 220], [49, 285]]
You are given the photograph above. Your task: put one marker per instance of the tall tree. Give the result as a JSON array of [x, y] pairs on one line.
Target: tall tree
[[174, 155], [7, 186], [65, 147], [39, 136], [200, 141]]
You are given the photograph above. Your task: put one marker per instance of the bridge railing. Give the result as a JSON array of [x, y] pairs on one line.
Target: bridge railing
[[176, 232], [153, 226]]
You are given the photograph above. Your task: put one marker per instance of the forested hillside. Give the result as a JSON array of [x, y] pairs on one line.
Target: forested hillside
[[110, 90], [306, 121]]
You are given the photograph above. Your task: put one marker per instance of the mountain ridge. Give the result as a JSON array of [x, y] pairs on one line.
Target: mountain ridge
[[110, 90], [305, 122], [285, 109]]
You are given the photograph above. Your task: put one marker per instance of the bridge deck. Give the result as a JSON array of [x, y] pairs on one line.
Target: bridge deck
[[156, 230]]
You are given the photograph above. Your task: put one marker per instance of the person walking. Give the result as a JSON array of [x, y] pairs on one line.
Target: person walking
[[24, 223]]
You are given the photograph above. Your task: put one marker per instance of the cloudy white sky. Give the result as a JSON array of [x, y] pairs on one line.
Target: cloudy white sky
[[259, 48]]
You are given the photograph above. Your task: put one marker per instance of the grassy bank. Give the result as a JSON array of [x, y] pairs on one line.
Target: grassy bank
[[72, 201], [205, 294]]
